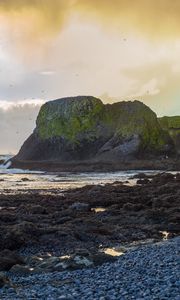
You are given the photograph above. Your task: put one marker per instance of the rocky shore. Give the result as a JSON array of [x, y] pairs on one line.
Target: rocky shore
[[57, 232], [71, 219]]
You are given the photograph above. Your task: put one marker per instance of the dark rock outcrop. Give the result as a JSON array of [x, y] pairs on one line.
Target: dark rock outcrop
[[8, 259], [84, 129]]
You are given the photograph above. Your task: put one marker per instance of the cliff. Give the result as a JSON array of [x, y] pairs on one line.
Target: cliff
[[84, 129], [172, 125]]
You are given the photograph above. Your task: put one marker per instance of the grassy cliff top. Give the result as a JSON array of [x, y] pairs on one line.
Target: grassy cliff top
[[170, 122]]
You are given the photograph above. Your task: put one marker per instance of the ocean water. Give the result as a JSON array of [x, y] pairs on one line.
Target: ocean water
[[14, 180]]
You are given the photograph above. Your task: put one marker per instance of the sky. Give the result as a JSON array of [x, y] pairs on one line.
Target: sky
[[112, 49]]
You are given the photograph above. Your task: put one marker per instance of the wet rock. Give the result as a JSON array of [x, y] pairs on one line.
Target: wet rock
[[63, 224], [163, 178], [19, 234], [143, 181], [102, 258], [22, 270], [175, 228], [80, 206], [9, 259], [25, 179], [140, 176], [82, 258], [34, 260], [178, 177], [3, 279], [38, 209]]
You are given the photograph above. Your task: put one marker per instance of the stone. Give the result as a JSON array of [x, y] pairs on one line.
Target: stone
[[8, 259], [22, 270], [143, 181], [80, 206], [84, 129], [24, 179], [3, 279], [19, 234]]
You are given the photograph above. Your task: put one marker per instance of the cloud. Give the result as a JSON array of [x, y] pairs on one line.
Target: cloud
[[47, 73], [30, 24], [158, 19], [149, 88], [17, 121], [101, 63], [50, 15], [8, 105], [56, 48], [155, 16], [157, 85]]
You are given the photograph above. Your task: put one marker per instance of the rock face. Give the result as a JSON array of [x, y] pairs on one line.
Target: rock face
[[84, 129], [172, 125]]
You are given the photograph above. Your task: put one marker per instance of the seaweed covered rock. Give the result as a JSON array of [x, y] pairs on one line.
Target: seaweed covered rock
[[84, 129]]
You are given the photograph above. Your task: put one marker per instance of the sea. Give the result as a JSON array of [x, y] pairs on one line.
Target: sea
[[17, 180]]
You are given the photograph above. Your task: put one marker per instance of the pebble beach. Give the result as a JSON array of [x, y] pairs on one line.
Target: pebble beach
[[147, 272]]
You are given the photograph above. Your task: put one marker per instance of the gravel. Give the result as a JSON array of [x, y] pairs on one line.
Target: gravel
[[148, 272]]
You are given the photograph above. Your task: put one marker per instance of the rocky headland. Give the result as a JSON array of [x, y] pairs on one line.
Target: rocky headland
[[81, 133]]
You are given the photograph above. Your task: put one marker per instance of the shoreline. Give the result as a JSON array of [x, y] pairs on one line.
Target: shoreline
[[48, 239], [148, 272], [111, 214], [91, 166]]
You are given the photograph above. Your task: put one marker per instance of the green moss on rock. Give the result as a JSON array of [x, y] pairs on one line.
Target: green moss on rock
[[68, 118], [79, 118], [172, 126], [83, 128], [135, 118], [170, 122]]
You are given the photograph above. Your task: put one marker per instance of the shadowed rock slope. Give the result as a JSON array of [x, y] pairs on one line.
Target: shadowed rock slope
[[84, 129]]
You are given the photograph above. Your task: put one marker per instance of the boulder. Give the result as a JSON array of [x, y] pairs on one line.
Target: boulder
[[84, 129]]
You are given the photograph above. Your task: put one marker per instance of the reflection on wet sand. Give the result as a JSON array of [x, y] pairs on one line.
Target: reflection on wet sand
[[10, 181]]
